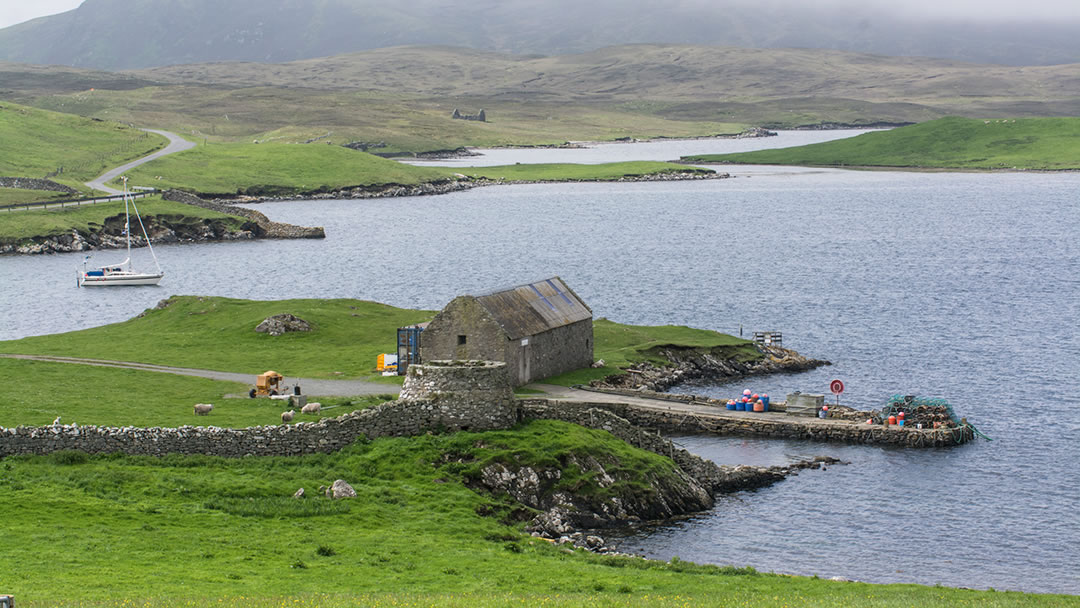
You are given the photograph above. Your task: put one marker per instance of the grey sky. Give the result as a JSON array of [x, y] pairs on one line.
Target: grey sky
[[17, 11]]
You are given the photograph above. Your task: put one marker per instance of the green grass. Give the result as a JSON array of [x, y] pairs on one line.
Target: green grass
[[16, 226], [276, 169], [38, 392], [281, 169], [346, 337], [115, 531], [621, 345], [575, 172], [17, 196], [34, 143], [948, 143]]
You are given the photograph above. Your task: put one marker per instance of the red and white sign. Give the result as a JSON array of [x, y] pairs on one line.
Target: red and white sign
[[836, 387]]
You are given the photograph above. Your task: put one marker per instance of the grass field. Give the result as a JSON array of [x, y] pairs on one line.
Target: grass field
[[204, 531], [346, 338], [34, 143], [276, 169], [20, 225], [17, 196], [405, 122], [954, 143], [84, 394], [622, 345]]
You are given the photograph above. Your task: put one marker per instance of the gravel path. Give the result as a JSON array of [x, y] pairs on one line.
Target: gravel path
[[310, 386], [176, 144]]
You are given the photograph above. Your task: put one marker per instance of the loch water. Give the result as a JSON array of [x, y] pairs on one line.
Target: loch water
[[963, 286]]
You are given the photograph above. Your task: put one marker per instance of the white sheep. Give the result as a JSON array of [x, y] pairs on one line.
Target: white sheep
[[311, 408], [203, 409], [287, 416]]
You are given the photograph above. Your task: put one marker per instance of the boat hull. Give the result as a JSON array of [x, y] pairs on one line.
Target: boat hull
[[121, 279]]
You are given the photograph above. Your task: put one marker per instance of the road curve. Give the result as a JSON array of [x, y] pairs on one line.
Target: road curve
[[176, 144], [310, 386]]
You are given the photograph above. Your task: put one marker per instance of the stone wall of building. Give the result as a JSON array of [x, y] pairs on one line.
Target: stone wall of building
[[559, 350], [479, 391], [464, 316]]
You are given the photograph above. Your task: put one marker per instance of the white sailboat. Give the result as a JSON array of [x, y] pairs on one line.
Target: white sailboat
[[123, 273]]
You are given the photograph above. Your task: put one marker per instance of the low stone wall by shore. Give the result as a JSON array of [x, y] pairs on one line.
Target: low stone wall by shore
[[677, 422]]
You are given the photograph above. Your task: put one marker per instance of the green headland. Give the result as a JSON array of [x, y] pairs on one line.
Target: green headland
[[1045, 144]]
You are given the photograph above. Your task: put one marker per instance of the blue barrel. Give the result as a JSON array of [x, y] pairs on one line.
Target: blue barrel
[[765, 402], [740, 406], [730, 405]]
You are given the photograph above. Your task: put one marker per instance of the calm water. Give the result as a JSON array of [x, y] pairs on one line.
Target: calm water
[[961, 286]]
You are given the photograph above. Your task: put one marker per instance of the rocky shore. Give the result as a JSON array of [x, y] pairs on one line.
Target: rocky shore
[[457, 185], [168, 229], [688, 364]]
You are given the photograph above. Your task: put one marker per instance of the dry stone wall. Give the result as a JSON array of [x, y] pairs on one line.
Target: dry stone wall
[[29, 183]]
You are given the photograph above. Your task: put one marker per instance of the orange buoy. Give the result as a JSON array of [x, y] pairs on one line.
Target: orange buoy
[[892, 419]]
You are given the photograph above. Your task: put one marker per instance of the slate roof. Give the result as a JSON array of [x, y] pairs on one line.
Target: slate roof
[[533, 308]]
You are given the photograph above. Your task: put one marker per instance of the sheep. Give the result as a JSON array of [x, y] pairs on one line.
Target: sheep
[[203, 409], [311, 408], [287, 416]]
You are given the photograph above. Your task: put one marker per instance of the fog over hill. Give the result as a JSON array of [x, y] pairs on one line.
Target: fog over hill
[[126, 34]]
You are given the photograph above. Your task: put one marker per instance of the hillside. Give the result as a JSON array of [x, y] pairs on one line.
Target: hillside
[[69, 149], [955, 143], [399, 100], [122, 34]]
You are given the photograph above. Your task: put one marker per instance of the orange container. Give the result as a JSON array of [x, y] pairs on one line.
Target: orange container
[[892, 419], [759, 406]]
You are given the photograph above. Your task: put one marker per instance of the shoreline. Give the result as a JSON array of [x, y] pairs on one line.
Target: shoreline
[[894, 168], [458, 185]]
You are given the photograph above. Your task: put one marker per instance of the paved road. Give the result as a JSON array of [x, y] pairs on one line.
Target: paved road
[[176, 144], [310, 386]]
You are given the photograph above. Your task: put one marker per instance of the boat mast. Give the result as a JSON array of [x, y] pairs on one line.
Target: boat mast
[[145, 235], [127, 222]]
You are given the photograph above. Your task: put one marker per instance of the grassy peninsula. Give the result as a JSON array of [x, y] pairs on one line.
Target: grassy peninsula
[[18, 226], [283, 169], [1046, 144]]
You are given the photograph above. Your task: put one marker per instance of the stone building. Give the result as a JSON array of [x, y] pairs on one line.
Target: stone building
[[539, 329]]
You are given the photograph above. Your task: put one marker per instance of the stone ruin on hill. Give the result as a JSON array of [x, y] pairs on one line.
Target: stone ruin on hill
[[479, 117]]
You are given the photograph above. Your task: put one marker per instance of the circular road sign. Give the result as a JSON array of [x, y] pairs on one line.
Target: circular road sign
[[836, 387]]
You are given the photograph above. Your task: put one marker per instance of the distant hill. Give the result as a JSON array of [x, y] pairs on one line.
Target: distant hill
[[948, 143], [400, 100], [126, 34]]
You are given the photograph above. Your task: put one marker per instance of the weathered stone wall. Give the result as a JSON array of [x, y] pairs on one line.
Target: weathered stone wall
[[548, 353], [29, 183], [394, 419], [464, 316], [481, 388], [558, 350]]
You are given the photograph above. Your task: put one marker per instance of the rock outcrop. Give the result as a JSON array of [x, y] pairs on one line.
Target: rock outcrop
[[281, 324], [29, 183], [691, 364]]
